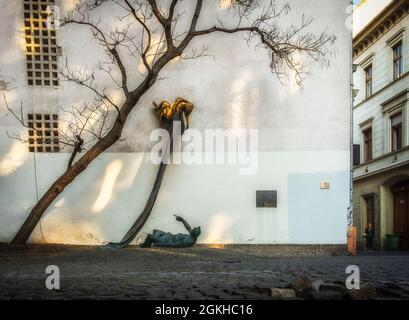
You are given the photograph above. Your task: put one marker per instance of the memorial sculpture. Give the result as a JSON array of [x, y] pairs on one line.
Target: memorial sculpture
[[159, 238], [168, 114]]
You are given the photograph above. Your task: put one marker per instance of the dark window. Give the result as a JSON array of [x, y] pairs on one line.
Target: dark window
[[367, 137], [368, 81], [396, 132], [397, 61], [356, 155]]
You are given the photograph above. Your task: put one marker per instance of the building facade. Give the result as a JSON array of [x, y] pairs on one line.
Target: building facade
[[303, 151], [380, 125]]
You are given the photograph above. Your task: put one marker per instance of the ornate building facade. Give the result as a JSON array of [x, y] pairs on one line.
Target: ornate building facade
[[381, 125]]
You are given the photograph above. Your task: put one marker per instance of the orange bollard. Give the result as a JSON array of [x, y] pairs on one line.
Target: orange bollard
[[352, 240]]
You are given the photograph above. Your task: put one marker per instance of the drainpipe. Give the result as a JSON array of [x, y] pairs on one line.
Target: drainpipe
[[351, 230]]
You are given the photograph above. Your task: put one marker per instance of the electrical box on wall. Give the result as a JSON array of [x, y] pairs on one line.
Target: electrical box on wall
[[266, 199]]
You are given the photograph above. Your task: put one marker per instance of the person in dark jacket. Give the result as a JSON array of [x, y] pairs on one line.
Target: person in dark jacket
[[369, 236]]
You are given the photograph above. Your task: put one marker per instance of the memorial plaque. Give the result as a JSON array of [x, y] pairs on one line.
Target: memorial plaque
[[266, 199]]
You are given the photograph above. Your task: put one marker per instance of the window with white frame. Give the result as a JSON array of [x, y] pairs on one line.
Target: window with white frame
[[397, 61], [368, 81], [366, 66], [396, 43], [396, 131], [367, 144], [41, 44]]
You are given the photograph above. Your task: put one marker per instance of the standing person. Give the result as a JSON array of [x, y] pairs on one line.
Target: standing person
[[369, 235]]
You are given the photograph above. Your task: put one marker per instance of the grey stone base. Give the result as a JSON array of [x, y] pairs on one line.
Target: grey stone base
[[270, 250], [283, 250]]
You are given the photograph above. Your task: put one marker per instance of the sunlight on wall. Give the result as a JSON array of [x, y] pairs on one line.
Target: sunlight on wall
[[224, 4], [58, 228], [117, 98], [131, 172], [9, 53], [175, 60], [70, 4], [111, 175], [157, 46], [14, 159], [238, 101], [60, 203], [219, 229]]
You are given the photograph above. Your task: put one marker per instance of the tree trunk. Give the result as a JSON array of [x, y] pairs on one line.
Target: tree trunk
[[52, 193], [144, 215], [72, 172]]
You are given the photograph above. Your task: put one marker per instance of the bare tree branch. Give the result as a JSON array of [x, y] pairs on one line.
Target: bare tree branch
[[148, 32], [77, 149], [109, 43]]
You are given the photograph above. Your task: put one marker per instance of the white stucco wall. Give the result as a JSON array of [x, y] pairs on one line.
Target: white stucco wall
[[303, 140]]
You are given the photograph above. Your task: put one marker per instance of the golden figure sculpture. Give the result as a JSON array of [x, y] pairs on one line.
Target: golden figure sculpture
[[166, 111]]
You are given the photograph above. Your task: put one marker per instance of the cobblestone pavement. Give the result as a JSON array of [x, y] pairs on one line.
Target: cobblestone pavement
[[189, 273]]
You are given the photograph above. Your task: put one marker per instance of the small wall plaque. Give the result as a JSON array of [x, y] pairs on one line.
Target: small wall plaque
[[324, 185], [266, 199]]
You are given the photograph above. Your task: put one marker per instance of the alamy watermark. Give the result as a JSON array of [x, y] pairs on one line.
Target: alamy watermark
[[53, 280], [352, 282], [211, 146]]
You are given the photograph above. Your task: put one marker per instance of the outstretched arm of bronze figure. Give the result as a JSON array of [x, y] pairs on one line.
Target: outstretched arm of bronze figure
[[187, 226]]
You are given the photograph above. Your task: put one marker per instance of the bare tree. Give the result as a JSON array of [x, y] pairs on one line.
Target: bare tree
[[151, 35]]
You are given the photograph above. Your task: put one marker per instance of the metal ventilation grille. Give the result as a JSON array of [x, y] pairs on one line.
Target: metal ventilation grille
[[41, 45], [43, 132]]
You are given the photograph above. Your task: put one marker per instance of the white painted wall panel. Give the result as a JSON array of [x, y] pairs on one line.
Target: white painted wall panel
[[300, 132]]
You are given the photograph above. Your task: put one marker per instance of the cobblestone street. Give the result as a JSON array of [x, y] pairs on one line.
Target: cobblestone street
[[193, 273]]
